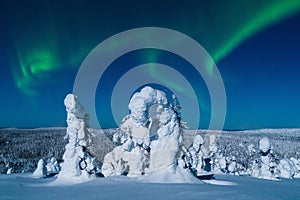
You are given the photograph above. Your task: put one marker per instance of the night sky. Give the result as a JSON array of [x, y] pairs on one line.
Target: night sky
[[255, 45]]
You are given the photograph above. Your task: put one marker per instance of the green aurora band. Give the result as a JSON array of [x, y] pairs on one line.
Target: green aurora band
[[266, 16], [52, 45]]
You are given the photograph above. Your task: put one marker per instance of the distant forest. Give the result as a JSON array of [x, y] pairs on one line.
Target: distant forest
[[20, 149]]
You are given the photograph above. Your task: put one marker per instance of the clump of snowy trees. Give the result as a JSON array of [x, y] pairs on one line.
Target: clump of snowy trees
[[148, 139], [21, 149], [46, 167], [262, 163]]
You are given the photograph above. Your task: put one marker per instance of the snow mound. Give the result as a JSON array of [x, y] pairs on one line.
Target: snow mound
[[68, 181], [217, 182], [167, 175]]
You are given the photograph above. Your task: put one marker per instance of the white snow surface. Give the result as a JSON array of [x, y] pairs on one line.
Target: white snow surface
[[167, 175], [23, 186]]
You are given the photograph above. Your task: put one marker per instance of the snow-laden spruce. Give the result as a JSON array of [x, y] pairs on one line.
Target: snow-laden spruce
[[286, 168], [194, 158], [149, 139], [205, 156], [77, 164], [264, 163], [52, 166], [41, 170], [267, 160], [296, 164]]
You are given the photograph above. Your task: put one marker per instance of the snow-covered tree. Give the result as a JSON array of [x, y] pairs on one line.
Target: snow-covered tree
[[286, 168], [233, 166], [220, 164], [252, 161], [205, 156], [208, 152], [165, 150], [193, 155], [255, 169], [296, 163], [194, 150], [8, 167], [78, 163], [149, 138], [41, 170], [53, 166], [176, 107], [9, 171], [268, 165]]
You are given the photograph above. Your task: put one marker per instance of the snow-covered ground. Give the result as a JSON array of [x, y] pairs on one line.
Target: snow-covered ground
[[23, 186]]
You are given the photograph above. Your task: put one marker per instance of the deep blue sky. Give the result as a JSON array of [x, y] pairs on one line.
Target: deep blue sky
[[42, 45]]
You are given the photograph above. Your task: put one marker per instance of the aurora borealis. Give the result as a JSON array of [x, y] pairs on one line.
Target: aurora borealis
[[255, 45]]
